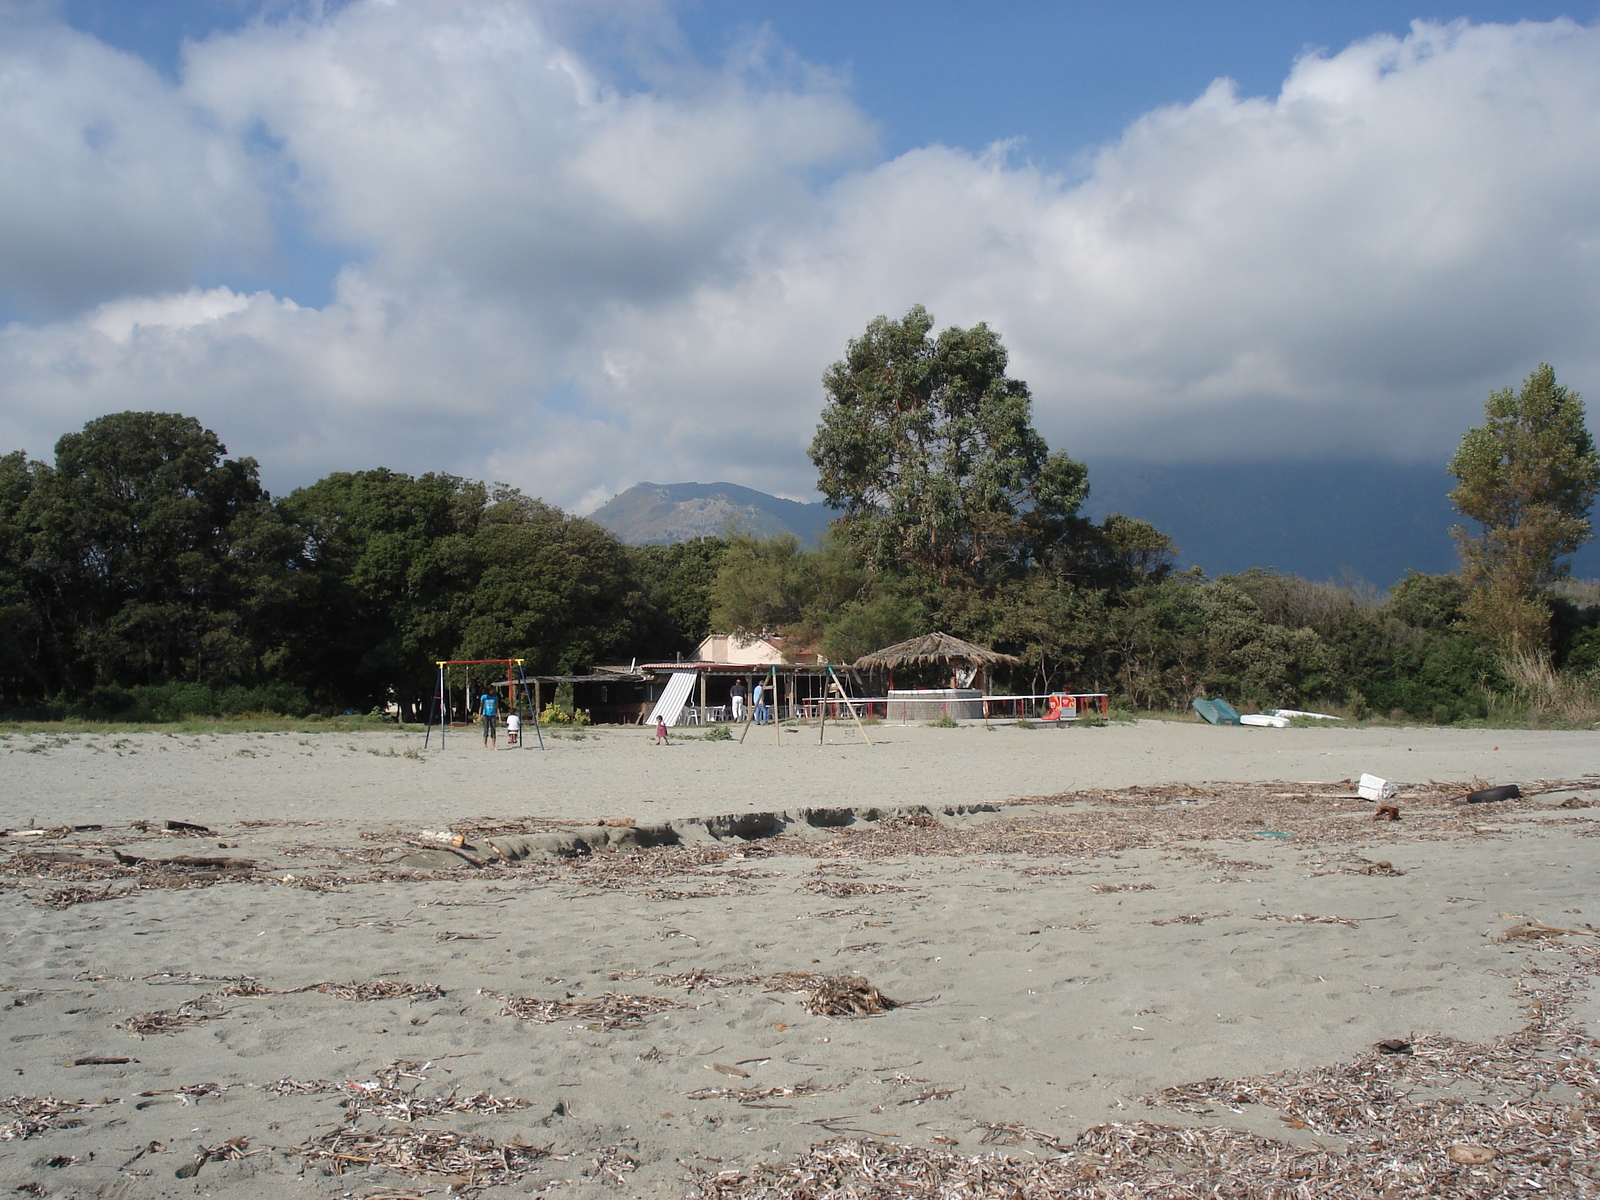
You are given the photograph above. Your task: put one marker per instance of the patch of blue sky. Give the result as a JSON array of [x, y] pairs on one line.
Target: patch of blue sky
[[569, 398], [300, 266], [1062, 76]]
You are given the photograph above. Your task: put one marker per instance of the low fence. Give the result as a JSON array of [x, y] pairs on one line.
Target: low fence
[[904, 710]]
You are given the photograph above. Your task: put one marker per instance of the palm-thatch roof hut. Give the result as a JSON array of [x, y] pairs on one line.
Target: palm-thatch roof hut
[[932, 648], [960, 699]]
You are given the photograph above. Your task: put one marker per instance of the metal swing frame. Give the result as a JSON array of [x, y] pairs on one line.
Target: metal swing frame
[[439, 703]]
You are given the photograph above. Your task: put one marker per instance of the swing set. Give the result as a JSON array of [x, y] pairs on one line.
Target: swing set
[[515, 680]]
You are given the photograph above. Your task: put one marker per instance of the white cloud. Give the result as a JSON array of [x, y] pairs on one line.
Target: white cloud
[[574, 285], [110, 180]]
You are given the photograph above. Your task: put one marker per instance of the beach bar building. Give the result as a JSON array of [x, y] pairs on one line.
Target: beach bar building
[[695, 690], [967, 666], [698, 690]]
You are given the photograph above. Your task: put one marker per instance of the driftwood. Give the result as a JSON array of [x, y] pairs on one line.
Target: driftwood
[[199, 862]]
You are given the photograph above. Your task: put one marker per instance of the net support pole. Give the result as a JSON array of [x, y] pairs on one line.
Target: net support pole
[[433, 703], [437, 704], [533, 708], [850, 704]]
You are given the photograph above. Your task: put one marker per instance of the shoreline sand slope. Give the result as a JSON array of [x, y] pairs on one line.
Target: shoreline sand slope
[[346, 971]]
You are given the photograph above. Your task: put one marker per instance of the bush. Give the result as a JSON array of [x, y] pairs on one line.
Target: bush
[[941, 723], [163, 702], [1585, 654], [717, 733], [554, 715]]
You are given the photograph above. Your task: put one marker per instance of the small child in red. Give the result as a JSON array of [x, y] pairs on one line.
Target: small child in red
[[661, 731]]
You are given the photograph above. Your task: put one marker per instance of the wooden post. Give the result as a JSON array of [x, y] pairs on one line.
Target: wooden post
[[848, 703], [702, 697], [777, 725]]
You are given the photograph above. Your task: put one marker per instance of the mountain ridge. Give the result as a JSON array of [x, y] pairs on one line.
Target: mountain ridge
[[1356, 520], [658, 514]]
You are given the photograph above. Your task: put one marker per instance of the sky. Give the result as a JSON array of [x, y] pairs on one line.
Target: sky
[[575, 245]]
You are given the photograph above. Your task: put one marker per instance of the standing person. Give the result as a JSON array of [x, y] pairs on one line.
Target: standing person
[[489, 707], [758, 698], [737, 697], [661, 731]]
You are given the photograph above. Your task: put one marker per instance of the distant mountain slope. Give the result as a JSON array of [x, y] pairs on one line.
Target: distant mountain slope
[[1332, 520], [657, 514], [1320, 520]]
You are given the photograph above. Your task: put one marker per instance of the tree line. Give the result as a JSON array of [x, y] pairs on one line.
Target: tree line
[[145, 574], [955, 515]]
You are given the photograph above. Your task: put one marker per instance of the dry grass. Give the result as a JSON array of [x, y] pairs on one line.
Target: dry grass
[[1568, 698]]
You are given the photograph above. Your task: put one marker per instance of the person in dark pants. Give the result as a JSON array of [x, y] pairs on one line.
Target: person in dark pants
[[489, 708]]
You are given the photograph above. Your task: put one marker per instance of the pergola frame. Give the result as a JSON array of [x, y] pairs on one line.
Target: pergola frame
[[514, 678]]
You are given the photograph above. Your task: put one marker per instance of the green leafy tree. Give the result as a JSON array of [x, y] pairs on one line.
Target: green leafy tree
[[26, 650], [376, 583], [1528, 476], [763, 586], [1430, 602], [677, 582], [532, 582], [824, 599], [407, 571], [928, 449], [150, 555]]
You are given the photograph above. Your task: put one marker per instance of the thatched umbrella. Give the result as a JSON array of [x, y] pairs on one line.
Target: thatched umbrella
[[932, 648]]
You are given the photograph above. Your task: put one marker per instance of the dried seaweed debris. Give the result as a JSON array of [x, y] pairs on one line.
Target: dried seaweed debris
[[834, 995], [475, 1161], [611, 1011], [32, 1115]]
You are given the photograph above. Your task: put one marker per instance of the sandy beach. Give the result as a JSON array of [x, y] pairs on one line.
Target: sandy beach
[[1069, 922]]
